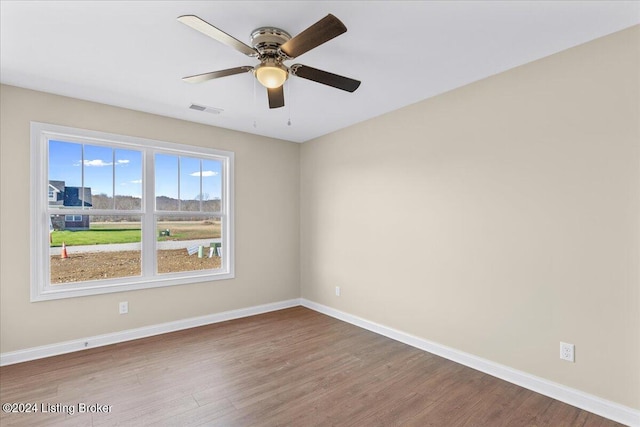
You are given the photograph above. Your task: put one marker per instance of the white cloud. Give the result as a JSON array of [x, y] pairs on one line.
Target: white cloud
[[97, 162], [101, 163], [205, 173], [136, 181]]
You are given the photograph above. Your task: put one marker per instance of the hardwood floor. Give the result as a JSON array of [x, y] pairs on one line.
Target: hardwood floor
[[292, 367]]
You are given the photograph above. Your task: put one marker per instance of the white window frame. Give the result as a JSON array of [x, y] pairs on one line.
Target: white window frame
[[42, 290], [73, 218]]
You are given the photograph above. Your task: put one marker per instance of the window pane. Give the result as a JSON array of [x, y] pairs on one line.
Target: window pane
[[128, 171], [98, 177], [97, 247], [166, 168], [188, 244], [189, 184], [65, 172], [211, 185]]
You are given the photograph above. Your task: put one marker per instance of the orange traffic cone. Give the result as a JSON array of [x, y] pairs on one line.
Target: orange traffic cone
[[63, 254]]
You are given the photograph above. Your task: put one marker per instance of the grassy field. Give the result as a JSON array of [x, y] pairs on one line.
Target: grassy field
[[102, 233], [189, 230], [95, 237]]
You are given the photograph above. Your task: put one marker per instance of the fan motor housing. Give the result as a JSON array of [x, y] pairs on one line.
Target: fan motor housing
[[267, 40]]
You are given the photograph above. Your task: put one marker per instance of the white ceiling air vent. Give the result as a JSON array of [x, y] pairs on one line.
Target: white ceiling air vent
[[212, 110]]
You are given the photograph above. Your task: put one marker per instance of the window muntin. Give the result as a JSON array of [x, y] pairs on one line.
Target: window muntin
[[188, 184], [127, 179], [113, 182], [166, 182]]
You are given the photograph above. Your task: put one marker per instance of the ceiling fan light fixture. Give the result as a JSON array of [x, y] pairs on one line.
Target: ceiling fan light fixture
[[272, 46], [271, 75]]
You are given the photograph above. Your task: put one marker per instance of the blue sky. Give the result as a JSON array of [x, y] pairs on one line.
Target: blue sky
[[103, 164], [167, 177]]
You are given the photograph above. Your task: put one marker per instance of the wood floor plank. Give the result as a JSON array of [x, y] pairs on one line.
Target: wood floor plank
[[291, 367]]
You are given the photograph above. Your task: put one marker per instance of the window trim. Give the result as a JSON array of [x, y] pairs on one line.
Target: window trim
[[42, 290]]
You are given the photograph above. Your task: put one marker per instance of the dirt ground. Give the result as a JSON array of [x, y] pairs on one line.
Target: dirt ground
[[107, 265]]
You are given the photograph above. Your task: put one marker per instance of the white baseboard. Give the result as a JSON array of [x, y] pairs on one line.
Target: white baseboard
[[588, 402], [33, 353], [582, 400]]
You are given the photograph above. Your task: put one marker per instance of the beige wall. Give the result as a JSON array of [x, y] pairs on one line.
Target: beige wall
[[266, 213], [497, 219]]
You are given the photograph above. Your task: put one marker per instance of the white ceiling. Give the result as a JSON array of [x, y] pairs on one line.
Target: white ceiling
[[133, 54]]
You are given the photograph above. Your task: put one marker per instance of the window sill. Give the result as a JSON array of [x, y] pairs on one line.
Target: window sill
[[98, 287]]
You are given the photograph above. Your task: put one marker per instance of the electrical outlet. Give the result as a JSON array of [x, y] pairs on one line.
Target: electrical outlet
[[337, 291], [567, 352], [124, 307]]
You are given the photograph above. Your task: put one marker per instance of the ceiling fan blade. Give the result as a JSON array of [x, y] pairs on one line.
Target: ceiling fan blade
[[276, 97], [199, 78], [205, 28], [320, 32], [324, 77]]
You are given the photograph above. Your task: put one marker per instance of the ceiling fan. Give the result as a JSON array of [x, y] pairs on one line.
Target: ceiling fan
[[272, 46]]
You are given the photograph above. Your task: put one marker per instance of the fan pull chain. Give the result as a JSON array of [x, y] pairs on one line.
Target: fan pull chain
[[255, 123], [290, 90]]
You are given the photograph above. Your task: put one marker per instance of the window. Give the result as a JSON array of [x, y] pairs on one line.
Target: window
[[113, 213]]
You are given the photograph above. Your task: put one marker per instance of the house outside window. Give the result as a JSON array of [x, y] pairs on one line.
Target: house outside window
[[131, 213], [53, 193], [73, 218]]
